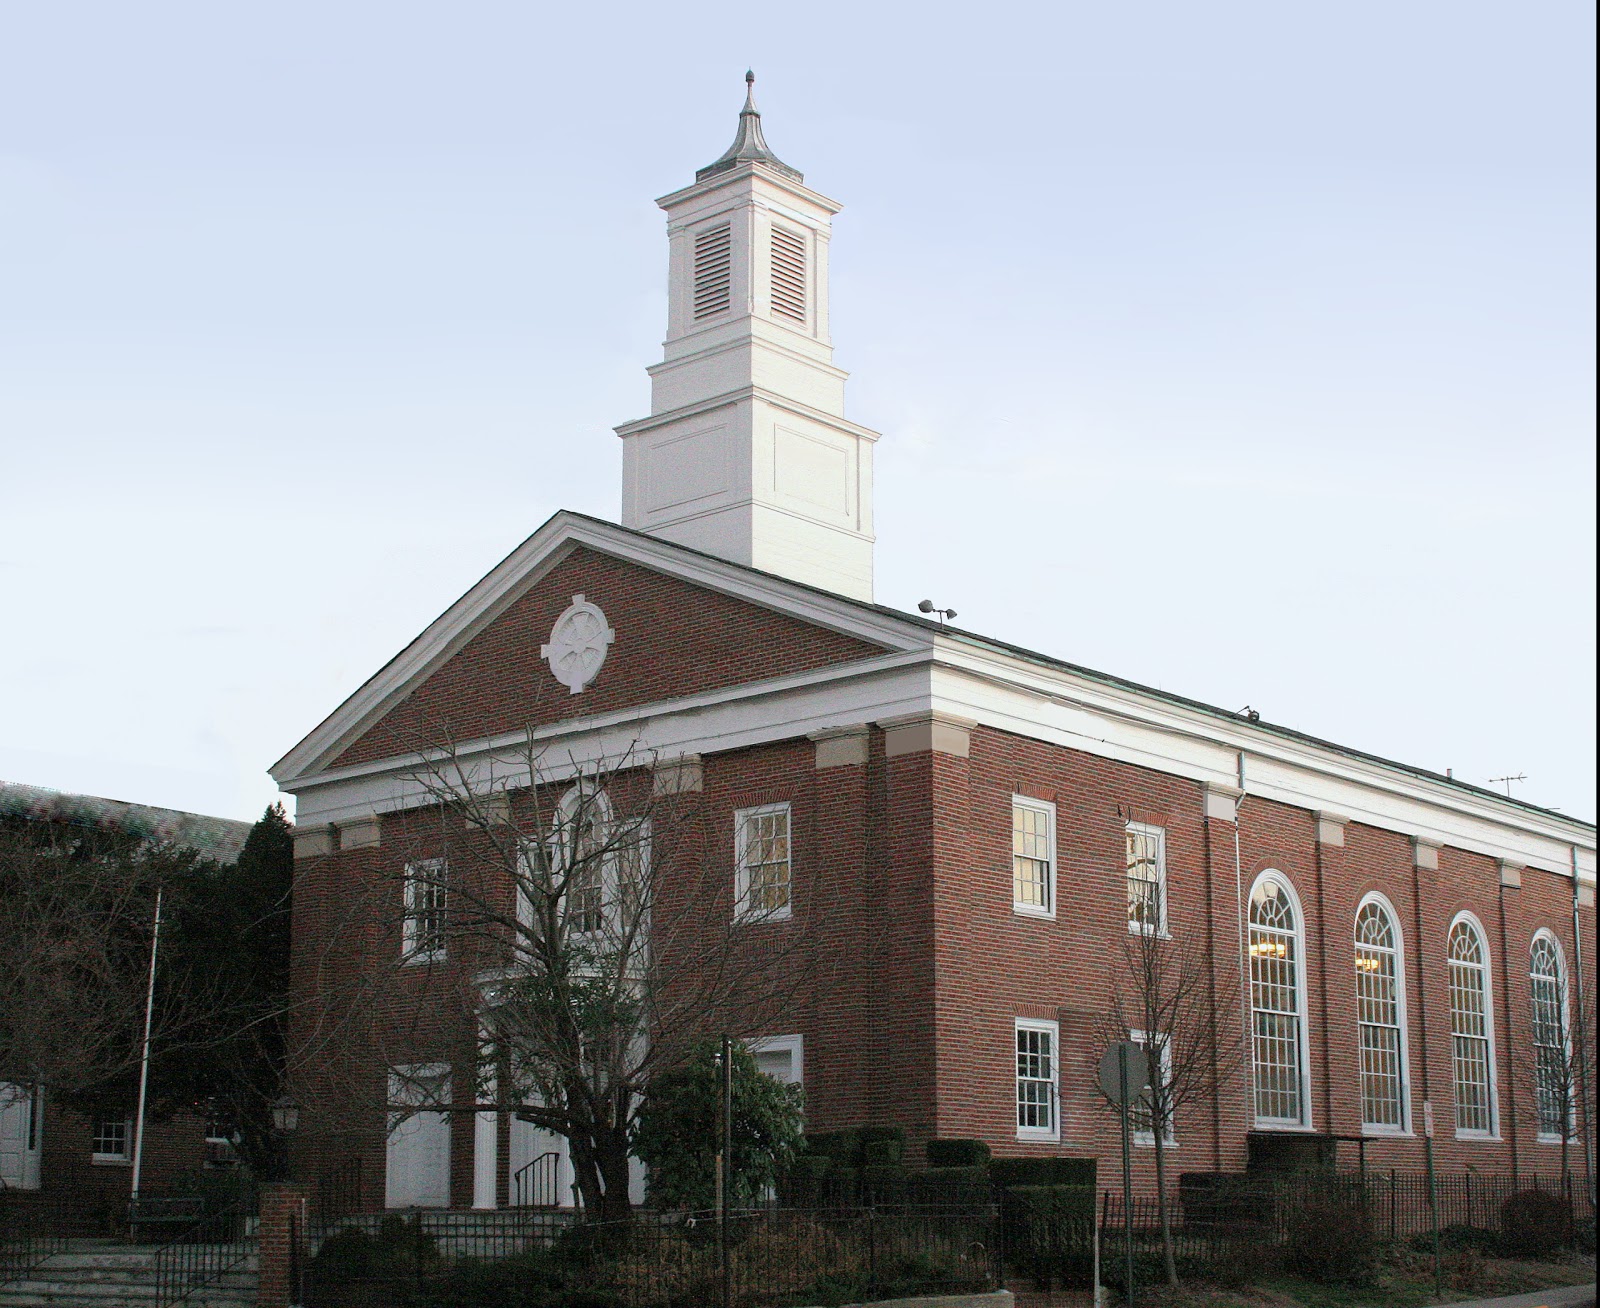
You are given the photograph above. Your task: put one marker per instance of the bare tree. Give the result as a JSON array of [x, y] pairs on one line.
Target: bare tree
[[1175, 999], [1552, 1063], [566, 929]]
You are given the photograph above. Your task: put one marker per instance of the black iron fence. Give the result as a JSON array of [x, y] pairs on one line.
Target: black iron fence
[[1226, 1220], [32, 1227], [767, 1258], [204, 1253]]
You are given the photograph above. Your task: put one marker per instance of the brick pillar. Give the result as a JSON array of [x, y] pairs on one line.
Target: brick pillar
[[283, 1211]]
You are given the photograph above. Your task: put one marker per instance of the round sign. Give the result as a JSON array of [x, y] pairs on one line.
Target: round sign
[[1111, 1072]]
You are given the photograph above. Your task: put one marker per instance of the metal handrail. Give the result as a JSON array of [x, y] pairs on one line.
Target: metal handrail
[[203, 1253], [539, 1190], [31, 1230]]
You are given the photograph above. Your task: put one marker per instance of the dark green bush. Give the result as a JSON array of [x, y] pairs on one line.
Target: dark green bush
[[1005, 1172], [1226, 1200], [877, 1153], [1458, 1235], [958, 1153], [1048, 1232], [1534, 1224], [841, 1146], [1329, 1240], [965, 1187], [884, 1183], [522, 1281], [870, 1135], [345, 1256]]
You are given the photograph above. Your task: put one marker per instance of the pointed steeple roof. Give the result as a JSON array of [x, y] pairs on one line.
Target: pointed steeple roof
[[749, 146]]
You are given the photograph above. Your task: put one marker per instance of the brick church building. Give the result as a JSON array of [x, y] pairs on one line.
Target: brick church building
[[967, 834]]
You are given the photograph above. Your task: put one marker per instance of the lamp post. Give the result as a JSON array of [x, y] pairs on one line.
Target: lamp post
[[285, 1121]]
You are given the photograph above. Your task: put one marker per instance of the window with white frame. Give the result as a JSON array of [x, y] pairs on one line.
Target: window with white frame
[[1033, 856], [583, 855], [764, 887], [1277, 1002], [1471, 1029], [1142, 1112], [783, 1058], [112, 1139], [1552, 1048], [1037, 1080], [1380, 1017], [423, 929], [1147, 879]]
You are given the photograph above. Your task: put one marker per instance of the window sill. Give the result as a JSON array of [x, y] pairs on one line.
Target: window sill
[[1285, 1128], [1546, 1138], [1137, 929], [97, 1160], [1386, 1133], [1149, 1142], [1481, 1137], [762, 919], [421, 960], [1038, 1137], [1041, 914]]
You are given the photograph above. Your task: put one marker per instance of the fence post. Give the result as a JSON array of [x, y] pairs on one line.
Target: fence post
[[283, 1206]]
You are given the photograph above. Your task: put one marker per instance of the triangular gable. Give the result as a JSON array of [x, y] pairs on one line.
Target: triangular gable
[[685, 623]]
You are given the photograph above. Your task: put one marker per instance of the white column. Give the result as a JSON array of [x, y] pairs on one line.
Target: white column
[[485, 1147]]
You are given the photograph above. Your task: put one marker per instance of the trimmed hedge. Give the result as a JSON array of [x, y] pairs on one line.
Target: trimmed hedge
[[1049, 1231], [1006, 1173], [879, 1153], [957, 1153]]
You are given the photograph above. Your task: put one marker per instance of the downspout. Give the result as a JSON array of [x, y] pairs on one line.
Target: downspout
[[1583, 1035], [1422, 993], [1246, 1031], [1509, 1058]]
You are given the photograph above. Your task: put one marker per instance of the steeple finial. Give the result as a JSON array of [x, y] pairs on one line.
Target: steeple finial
[[749, 146]]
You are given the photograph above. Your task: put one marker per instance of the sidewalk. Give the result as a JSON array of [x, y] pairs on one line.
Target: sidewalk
[[1560, 1296]]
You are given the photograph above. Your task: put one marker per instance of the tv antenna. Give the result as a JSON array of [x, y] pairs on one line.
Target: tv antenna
[[1506, 781]]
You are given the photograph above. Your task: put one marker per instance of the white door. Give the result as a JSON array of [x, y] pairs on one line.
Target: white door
[[21, 1134], [418, 1173]]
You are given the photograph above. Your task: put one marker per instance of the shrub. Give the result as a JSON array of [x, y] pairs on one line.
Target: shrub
[[1533, 1224], [841, 1146], [1226, 1200], [1459, 1236], [1330, 1241], [345, 1256], [521, 1281], [879, 1153], [962, 1187], [1048, 1231], [958, 1153], [884, 1183], [872, 1135], [1248, 1260], [1006, 1172]]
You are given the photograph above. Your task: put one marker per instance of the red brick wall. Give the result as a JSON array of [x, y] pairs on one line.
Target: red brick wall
[[673, 639], [910, 965]]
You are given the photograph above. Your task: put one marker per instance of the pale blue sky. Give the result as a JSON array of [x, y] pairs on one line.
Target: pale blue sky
[[1242, 349]]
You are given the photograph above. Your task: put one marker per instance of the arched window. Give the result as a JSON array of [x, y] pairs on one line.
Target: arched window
[[1277, 1003], [1380, 1016], [582, 831], [1471, 1028], [1552, 1050]]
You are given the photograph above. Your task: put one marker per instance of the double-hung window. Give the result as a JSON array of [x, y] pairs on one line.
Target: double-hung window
[[112, 1138], [1038, 1080], [1142, 1111], [1471, 1029], [1147, 879], [1380, 1018], [1552, 1049], [763, 890], [422, 935], [1033, 856], [1277, 1002]]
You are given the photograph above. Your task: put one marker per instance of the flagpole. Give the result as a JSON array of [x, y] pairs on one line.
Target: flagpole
[[144, 1062]]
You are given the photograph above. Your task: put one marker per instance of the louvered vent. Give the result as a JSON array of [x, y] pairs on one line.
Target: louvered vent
[[788, 273], [713, 271]]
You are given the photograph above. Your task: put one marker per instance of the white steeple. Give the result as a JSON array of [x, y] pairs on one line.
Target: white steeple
[[746, 453]]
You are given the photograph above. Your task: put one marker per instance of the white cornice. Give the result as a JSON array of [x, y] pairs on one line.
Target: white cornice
[[737, 396], [524, 567]]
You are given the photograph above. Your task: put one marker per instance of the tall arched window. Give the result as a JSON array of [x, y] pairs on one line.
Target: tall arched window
[[1552, 1050], [1380, 1016], [1471, 1028], [1277, 1001], [582, 856]]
